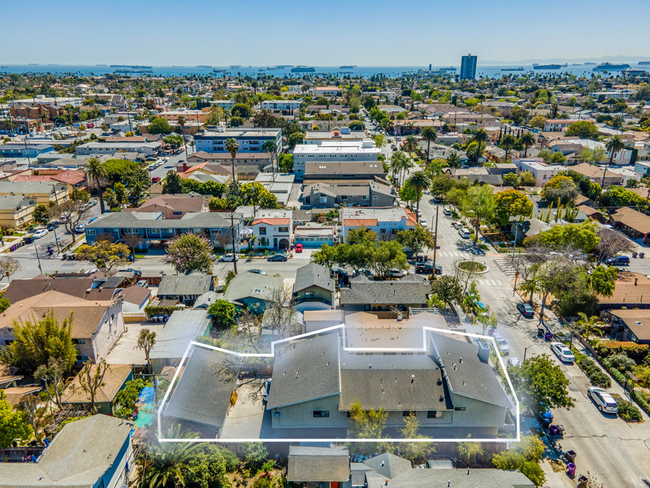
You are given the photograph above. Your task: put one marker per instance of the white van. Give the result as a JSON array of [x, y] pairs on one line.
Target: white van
[[464, 233]]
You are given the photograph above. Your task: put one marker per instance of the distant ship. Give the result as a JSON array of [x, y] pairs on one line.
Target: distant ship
[[102, 65], [129, 66], [521, 68], [576, 64], [303, 69], [203, 66], [233, 66], [547, 66], [348, 66], [133, 70], [589, 63], [284, 66], [642, 63], [262, 69], [215, 70], [611, 67]]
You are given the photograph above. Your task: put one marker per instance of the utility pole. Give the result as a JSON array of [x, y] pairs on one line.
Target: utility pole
[[435, 244], [232, 237]]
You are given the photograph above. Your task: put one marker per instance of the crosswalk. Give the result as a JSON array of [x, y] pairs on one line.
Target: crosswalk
[[505, 266], [486, 282], [460, 254]]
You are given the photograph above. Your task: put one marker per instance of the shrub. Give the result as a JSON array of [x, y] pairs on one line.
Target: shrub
[[641, 400], [622, 362], [628, 411], [618, 376], [637, 352], [593, 372]]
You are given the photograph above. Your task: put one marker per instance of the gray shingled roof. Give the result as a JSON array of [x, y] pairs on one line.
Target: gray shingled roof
[[153, 220], [318, 464], [194, 284], [305, 369], [252, 285], [396, 382], [182, 327], [313, 275], [368, 292], [203, 392], [471, 377], [483, 478], [388, 465], [77, 457]]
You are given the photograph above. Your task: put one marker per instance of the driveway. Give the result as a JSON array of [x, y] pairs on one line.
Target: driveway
[[244, 420], [126, 350]]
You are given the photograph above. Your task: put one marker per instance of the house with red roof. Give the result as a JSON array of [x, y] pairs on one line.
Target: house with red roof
[[272, 229]]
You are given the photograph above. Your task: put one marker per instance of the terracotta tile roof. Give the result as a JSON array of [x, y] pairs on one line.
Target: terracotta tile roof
[[70, 177], [269, 221], [361, 222]]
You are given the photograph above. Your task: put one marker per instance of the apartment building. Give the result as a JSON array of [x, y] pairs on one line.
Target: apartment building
[[281, 105], [343, 134], [16, 211], [333, 152], [386, 222], [559, 125], [540, 170], [214, 139], [99, 148]]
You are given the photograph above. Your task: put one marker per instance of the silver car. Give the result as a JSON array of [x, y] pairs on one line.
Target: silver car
[[603, 400], [501, 342]]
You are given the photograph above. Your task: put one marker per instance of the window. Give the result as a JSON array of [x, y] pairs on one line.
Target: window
[[460, 409], [344, 197], [382, 231], [365, 197], [433, 414], [283, 229], [374, 197], [90, 232], [406, 413], [321, 414], [309, 294], [177, 213], [78, 341], [215, 231], [262, 231]]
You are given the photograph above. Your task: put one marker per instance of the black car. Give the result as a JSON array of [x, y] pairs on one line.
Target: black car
[[52, 225], [619, 261], [341, 276], [277, 257], [427, 267], [526, 310]]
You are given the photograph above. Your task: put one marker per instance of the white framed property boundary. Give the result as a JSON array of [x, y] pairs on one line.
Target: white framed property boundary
[[347, 349]]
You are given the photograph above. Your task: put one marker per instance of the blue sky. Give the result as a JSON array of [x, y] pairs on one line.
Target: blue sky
[[361, 32]]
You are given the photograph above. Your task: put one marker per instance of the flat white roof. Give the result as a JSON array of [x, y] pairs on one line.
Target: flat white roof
[[330, 147]]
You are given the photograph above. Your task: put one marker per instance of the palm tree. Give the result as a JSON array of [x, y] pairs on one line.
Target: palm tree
[[531, 287], [453, 160], [232, 147], [399, 163], [167, 463], [181, 123], [527, 139], [429, 134], [96, 170], [589, 326], [614, 145], [420, 182], [508, 143], [480, 136], [270, 147], [410, 144]]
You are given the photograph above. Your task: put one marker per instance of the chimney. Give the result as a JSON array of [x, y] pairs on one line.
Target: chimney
[[636, 281]]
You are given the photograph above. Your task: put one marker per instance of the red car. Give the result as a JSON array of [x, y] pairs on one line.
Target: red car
[[155, 179], [298, 247]]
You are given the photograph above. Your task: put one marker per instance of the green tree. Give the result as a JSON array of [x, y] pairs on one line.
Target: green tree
[[479, 204], [538, 121], [326, 256], [14, 425], [285, 162], [480, 137], [416, 452], [379, 140], [527, 178], [167, 464], [41, 214], [429, 134], [603, 280], [241, 110], [356, 125], [295, 139], [511, 179], [417, 239], [367, 424], [561, 187], [146, 341], [410, 144], [388, 255], [125, 400], [105, 254], [508, 143], [539, 380], [590, 326], [232, 147], [36, 342], [223, 313], [448, 289], [468, 451], [91, 379], [453, 161], [420, 182], [190, 252], [523, 456], [582, 236], [361, 235], [512, 203], [527, 139], [159, 126], [617, 196], [172, 183], [121, 196], [96, 171], [255, 453], [583, 130], [399, 164]]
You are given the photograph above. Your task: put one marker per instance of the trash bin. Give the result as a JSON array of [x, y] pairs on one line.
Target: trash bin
[[548, 336], [570, 456], [571, 469], [554, 430], [540, 332]]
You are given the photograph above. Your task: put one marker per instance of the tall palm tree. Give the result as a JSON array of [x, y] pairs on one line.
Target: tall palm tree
[[181, 123], [232, 147], [96, 171], [429, 134], [527, 139], [508, 143], [420, 182], [399, 163], [166, 464], [453, 160], [589, 326], [270, 147], [614, 145], [480, 137], [410, 144]]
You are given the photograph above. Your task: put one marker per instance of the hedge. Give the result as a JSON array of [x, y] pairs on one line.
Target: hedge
[[593, 372], [640, 399], [618, 376], [635, 351], [152, 311]]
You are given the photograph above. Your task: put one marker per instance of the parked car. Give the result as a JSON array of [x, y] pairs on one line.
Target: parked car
[[155, 179], [501, 342], [446, 211], [53, 225], [257, 271], [396, 273], [512, 362], [142, 284], [427, 267], [341, 276], [277, 257], [80, 228], [40, 233], [618, 261], [526, 310], [464, 233], [424, 223], [563, 353], [603, 400], [227, 258], [298, 247]]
